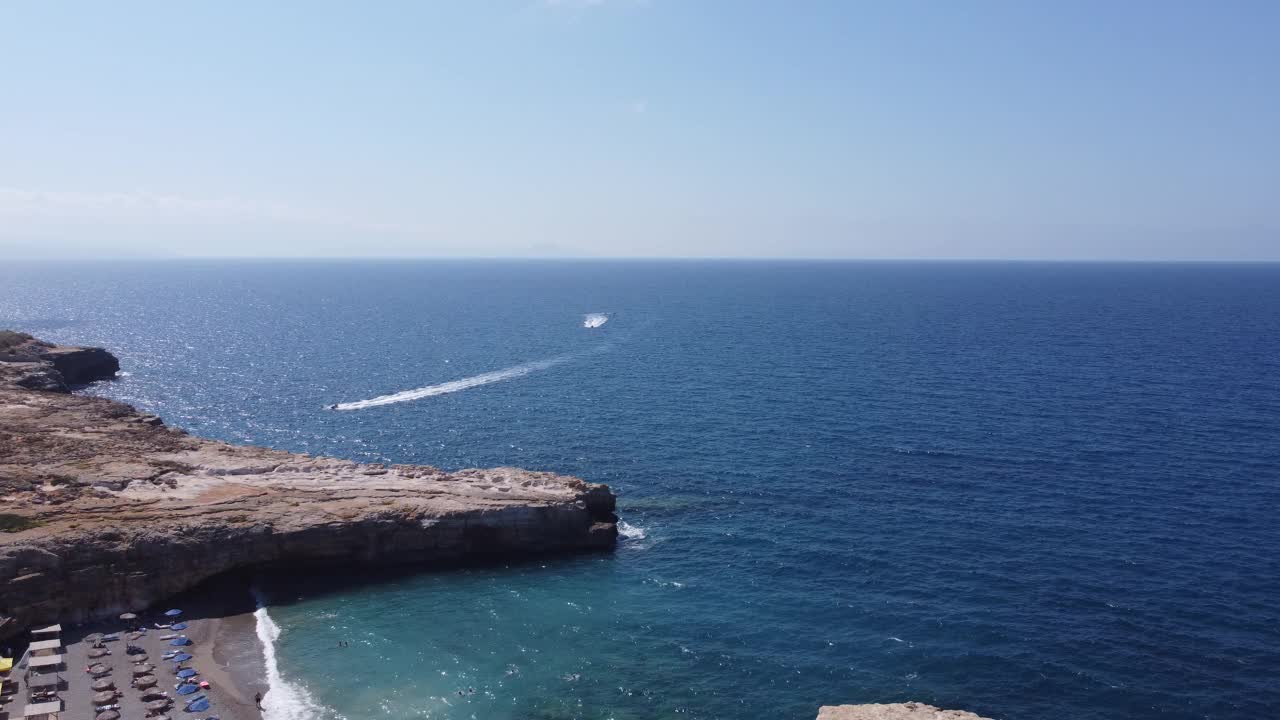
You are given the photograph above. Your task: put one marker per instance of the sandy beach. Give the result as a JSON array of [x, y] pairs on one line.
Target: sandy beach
[[224, 650]]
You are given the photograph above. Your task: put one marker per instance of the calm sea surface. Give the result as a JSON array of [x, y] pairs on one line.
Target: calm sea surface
[[1028, 490]]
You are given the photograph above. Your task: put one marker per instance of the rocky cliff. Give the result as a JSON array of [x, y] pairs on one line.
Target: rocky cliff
[[895, 711], [105, 509], [38, 365]]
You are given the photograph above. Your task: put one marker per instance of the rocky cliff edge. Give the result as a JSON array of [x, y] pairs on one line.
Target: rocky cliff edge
[[104, 509]]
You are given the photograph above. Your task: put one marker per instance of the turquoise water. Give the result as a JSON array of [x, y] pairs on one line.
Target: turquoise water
[[1012, 488]]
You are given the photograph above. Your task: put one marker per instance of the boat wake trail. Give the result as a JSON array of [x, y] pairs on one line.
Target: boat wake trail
[[456, 385], [594, 320]]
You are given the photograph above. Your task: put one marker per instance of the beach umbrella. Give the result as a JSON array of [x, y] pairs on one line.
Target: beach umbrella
[[93, 638], [97, 652], [173, 613], [180, 657], [128, 616], [187, 688], [178, 626], [178, 642], [104, 697], [145, 681], [186, 673], [157, 705], [97, 669], [141, 670], [104, 684], [200, 704], [107, 715]]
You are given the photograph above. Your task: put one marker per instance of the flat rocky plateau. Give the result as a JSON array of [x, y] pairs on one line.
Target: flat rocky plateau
[[105, 509]]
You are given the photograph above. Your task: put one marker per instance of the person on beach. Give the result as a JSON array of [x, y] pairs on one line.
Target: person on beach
[[257, 700]]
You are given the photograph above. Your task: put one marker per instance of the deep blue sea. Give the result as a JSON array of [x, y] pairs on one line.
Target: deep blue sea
[[1034, 491]]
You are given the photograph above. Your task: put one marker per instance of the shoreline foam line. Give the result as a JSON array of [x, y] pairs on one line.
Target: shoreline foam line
[[456, 385], [283, 700]]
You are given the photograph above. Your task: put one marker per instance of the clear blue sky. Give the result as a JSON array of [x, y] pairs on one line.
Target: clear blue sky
[[1135, 129]]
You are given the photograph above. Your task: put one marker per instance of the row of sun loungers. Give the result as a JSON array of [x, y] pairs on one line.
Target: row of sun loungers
[[156, 701]]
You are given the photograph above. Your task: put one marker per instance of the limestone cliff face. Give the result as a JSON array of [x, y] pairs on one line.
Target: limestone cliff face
[[105, 509], [895, 711]]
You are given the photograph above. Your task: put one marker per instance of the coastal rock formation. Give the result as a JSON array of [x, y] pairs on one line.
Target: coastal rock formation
[[896, 711], [105, 509], [37, 365]]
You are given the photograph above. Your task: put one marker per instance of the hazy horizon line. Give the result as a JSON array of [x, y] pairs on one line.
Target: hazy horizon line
[[644, 258]]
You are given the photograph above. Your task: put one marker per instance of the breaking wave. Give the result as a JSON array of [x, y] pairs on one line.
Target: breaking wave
[[630, 532], [283, 700], [594, 320], [456, 385]]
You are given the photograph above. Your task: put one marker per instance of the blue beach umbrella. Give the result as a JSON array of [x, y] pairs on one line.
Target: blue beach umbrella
[[180, 658], [186, 673], [200, 704], [179, 641], [187, 688], [178, 626], [173, 613]]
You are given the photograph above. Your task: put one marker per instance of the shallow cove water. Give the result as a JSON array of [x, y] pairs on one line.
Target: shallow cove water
[[1028, 490]]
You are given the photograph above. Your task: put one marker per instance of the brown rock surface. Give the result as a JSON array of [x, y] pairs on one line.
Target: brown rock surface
[[895, 711], [105, 509]]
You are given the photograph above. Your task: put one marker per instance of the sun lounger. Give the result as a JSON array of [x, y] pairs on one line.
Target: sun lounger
[[42, 710]]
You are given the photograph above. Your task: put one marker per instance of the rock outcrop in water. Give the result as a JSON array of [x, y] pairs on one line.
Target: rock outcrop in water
[[37, 365], [895, 711], [105, 509]]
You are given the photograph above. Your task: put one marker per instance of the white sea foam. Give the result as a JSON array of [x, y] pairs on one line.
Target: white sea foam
[[630, 532], [454, 386], [594, 320], [283, 700]]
